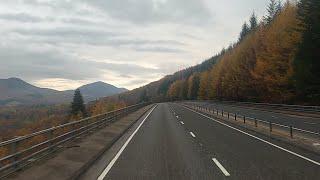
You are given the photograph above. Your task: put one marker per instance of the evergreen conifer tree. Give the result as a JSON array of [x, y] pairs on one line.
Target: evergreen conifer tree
[[307, 62], [272, 11], [77, 104], [245, 30], [253, 21]]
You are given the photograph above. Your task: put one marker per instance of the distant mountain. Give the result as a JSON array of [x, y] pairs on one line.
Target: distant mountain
[[99, 89], [14, 91]]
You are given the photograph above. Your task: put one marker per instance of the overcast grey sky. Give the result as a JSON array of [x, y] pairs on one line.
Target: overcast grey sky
[[62, 44]]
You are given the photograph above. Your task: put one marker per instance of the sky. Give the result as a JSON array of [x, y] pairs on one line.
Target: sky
[[63, 44]]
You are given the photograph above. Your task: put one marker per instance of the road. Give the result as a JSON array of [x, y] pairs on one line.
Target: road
[[173, 142], [298, 121]]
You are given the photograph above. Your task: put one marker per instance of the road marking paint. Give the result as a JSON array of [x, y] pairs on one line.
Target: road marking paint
[[177, 116], [192, 134], [260, 139], [182, 122], [224, 171], [312, 123], [112, 162]]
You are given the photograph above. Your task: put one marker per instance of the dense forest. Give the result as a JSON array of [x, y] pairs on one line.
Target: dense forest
[[275, 60]]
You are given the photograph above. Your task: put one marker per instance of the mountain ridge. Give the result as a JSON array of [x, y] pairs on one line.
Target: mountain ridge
[[15, 91]]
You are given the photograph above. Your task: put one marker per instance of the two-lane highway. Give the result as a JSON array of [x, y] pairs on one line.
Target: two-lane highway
[[173, 142], [161, 149]]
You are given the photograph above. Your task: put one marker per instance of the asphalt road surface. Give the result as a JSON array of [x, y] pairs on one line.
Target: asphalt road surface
[[301, 121], [173, 142]]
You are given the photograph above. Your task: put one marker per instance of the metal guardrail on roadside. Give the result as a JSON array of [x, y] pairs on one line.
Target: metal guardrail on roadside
[[270, 105], [255, 121], [21, 151]]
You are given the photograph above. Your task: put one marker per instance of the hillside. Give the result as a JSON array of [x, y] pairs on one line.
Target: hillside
[[270, 62], [15, 91]]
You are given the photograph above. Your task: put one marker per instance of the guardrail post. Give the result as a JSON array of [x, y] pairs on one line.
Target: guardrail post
[[270, 126], [217, 112], [235, 116], [244, 119], [291, 132], [14, 150], [87, 123], [74, 128], [255, 122], [222, 113], [228, 115], [107, 119], [51, 139]]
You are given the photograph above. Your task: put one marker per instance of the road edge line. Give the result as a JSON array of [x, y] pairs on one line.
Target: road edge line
[[115, 158]]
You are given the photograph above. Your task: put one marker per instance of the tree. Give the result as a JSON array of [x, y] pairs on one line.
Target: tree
[[307, 62], [279, 7], [175, 91], [183, 94], [272, 11], [144, 96], [275, 55], [203, 87], [253, 22], [245, 30], [77, 105], [193, 86]]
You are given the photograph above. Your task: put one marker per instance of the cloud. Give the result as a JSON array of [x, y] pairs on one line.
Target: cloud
[[155, 11], [97, 37], [62, 43], [54, 65], [21, 17], [159, 49]]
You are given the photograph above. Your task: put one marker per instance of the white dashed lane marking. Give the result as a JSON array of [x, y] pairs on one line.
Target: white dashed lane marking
[[192, 134], [224, 171]]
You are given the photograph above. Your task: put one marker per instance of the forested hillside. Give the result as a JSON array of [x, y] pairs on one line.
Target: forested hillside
[[275, 60]]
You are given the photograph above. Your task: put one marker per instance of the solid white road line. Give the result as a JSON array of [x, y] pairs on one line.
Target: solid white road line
[[224, 171], [182, 122], [112, 162], [255, 137], [192, 134], [177, 116]]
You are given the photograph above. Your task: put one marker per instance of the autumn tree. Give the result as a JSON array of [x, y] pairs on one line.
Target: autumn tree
[[275, 54], [77, 105], [203, 86], [175, 91]]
